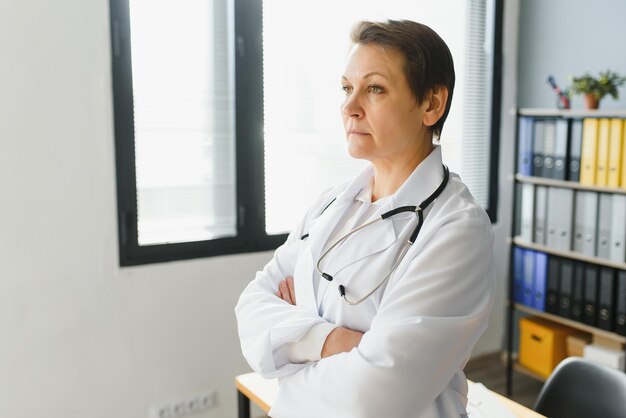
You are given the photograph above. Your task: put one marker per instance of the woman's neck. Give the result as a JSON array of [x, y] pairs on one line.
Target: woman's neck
[[389, 175]]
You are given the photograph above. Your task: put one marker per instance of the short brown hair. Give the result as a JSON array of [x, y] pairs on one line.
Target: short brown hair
[[428, 61]]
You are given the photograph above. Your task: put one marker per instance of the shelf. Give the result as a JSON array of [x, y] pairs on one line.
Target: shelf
[[573, 324], [599, 335], [523, 370], [574, 113], [542, 181], [568, 254]]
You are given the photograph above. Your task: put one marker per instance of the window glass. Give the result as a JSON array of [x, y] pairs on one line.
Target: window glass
[[304, 57], [183, 93]]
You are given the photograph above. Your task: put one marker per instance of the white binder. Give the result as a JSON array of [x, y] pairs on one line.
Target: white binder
[[617, 250], [559, 219], [549, 142], [560, 150], [604, 225], [528, 192], [585, 218], [540, 214]]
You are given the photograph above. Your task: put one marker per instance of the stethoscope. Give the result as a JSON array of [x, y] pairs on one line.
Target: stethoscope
[[418, 210]]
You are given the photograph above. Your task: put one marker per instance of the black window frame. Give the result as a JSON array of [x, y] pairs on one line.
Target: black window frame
[[249, 159]]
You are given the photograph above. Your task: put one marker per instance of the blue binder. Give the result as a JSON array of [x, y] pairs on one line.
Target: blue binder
[[518, 275], [541, 267], [528, 298]]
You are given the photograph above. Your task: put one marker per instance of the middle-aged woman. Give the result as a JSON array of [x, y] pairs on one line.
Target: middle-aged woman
[[368, 310]]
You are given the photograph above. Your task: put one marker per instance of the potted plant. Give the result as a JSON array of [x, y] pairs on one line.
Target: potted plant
[[595, 88]]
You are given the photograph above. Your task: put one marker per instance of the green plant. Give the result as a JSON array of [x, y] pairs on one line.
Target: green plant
[[607, 82]]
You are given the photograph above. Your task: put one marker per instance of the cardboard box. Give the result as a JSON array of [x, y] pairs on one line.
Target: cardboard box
[[576, 344], [543, 344], [605, 355], [607, 342]]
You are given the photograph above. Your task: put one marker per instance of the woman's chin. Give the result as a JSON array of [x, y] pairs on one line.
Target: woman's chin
[[357, 153], [356, 150]]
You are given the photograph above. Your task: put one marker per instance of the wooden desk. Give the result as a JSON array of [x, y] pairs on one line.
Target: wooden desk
[[252, 387]]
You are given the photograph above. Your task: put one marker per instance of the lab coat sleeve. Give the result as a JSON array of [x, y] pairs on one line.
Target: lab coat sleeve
[[268, 326], [431, 315], [309, 348]]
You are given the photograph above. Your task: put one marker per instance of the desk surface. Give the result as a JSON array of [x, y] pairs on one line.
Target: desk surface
[[263, 392]]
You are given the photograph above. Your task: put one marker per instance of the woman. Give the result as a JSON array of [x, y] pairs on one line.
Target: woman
[[362, 323]]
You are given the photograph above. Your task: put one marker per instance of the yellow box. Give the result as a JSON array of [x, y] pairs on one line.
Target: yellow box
[[543, 344]]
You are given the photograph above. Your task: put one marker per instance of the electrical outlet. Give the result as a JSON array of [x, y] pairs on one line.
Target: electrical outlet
[[162, 411], [180, 409], [184, 406], [207, 400]]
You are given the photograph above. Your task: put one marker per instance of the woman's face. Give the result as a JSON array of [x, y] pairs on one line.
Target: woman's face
[[382, 118]]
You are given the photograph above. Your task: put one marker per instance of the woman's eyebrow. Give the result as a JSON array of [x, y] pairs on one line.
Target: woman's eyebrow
[[368, 75]]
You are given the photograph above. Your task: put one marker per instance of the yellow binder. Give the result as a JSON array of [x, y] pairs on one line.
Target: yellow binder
[[589, 151], [623, 178], [616, 143], [602, 159]]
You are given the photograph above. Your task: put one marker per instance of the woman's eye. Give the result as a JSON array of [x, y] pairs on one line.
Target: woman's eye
[[346, 89], [375, 89]]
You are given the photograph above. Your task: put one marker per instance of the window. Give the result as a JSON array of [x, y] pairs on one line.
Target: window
[[221, 106], [302, 65]]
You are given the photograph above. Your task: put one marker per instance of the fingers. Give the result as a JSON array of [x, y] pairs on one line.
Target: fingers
[[292, 289], [287, 290], [284, 291]]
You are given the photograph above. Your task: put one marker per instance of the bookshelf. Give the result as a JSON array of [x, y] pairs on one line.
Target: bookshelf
[[519, 242], [566, 249], [566, 184], [572, 113], [572, 324]]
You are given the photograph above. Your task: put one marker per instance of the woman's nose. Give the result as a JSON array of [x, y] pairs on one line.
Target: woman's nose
[[352, 106]]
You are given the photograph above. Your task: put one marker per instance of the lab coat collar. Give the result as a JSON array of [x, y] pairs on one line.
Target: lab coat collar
[[327, 221], [358, 184], [424, 180], [420, 184]]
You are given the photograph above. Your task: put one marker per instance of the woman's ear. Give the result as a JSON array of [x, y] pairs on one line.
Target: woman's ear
[[437, 99]]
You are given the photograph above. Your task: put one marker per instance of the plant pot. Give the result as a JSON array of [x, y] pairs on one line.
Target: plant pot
[[591, 101]]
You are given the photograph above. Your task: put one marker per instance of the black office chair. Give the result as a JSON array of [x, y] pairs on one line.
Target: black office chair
[[580, 389]]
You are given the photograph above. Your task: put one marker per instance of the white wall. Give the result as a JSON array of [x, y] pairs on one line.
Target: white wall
[[493, 339], [568, 38], [79, 336]]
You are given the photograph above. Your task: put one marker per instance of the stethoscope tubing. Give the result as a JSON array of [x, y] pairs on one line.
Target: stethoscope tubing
[[418, 210]]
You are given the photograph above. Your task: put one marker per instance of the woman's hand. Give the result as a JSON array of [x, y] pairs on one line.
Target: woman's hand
[[287, 290], [341, 340]]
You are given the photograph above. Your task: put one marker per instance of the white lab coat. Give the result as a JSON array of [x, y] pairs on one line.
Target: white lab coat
[[419, 327]]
